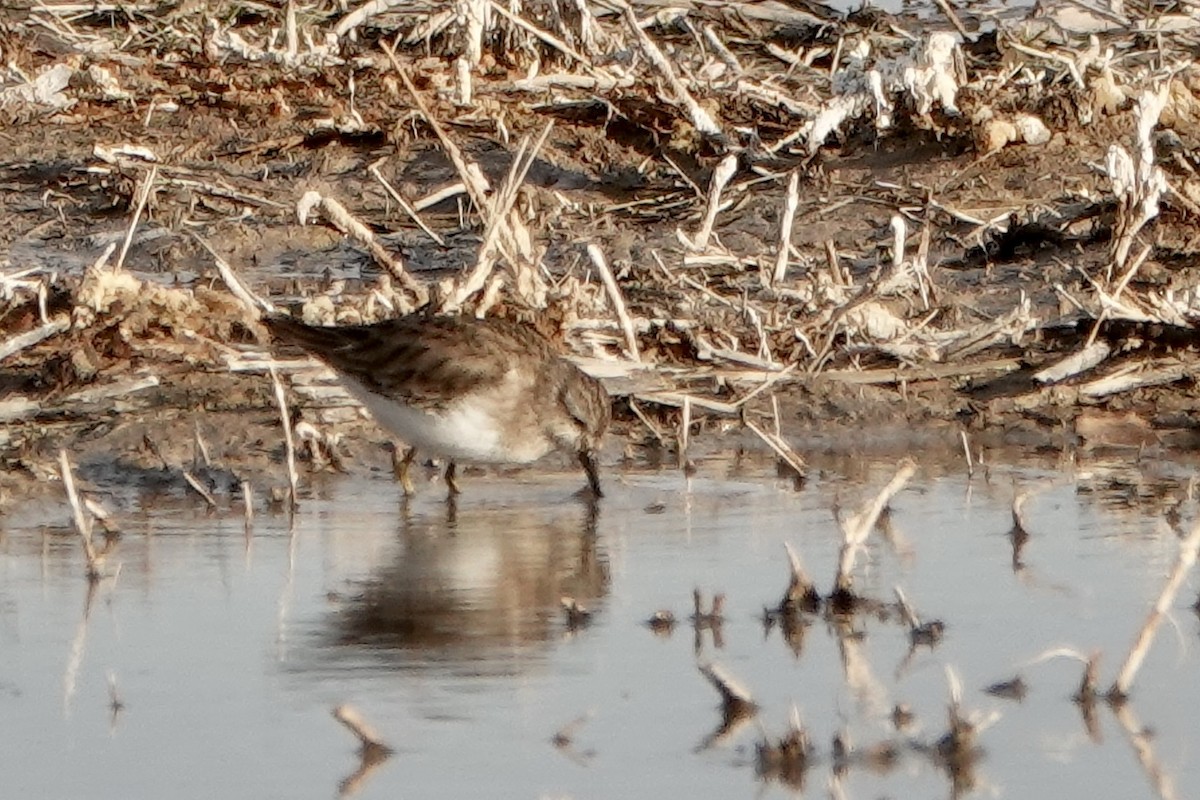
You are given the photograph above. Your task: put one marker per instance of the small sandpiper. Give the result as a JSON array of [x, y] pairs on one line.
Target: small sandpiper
[[488, 391]]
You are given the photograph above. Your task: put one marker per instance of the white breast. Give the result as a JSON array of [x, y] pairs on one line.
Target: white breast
[[464, 431]]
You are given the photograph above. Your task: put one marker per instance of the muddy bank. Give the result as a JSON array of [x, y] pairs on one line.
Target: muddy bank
[[903, 228]]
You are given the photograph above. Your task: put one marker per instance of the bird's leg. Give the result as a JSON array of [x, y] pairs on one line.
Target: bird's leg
[[451, 481], [587, 459], [400, 467]]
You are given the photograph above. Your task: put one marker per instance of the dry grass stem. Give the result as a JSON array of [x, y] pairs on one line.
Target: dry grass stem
[[344, 221], [685, 430], [1183, 565], [618, 301], [1092, 355], [506, 233], [857, 527], [288, 440], [23, 341], [248, 506], [143, 194], [83, 522], [788, 218], [405, 206], [548, 38], [199, 488], [781, 448], [233, 282], [721, 176]]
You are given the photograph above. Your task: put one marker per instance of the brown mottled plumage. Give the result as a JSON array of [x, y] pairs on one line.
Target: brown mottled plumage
[[490, 391]]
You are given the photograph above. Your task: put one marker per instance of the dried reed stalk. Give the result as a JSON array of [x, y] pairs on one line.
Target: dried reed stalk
[[700, 118], [720, 178], [618, 301], [83, 523], [1145, 637], [289, 441], [856, 528], [790, 204], [143, 194]]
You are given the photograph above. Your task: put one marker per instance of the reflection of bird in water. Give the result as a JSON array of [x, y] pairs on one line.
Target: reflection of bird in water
[[477, 585]]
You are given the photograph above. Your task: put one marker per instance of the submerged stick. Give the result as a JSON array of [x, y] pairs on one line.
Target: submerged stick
[[1187, 558]]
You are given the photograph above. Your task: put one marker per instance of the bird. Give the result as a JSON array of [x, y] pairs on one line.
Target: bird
[[489, 391]]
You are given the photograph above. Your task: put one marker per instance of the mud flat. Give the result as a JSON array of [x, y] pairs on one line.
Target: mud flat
[[806, 226]]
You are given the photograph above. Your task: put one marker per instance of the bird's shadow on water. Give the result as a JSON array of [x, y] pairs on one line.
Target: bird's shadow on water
[[471, 584]]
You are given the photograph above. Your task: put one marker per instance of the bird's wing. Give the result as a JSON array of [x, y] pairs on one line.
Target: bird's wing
[[421, 359]]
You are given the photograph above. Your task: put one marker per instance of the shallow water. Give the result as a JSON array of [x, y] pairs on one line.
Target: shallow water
[[444, 630]]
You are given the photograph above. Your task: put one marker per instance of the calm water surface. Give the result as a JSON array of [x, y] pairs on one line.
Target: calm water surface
[[444, 630]]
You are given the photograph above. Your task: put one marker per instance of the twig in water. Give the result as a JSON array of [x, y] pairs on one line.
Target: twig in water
[[782, 449], [856, 528], [83, 523], [957, 749], [661, 622], [685, 428], [1187, 558], [788, 758], [367, 738], [115, 704], [967, 454], [564, 738], [199, 488], [736, 700], [927, 633], [801, 594], [1018, 509], [289, 442], [578, 615], [248, 506]]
